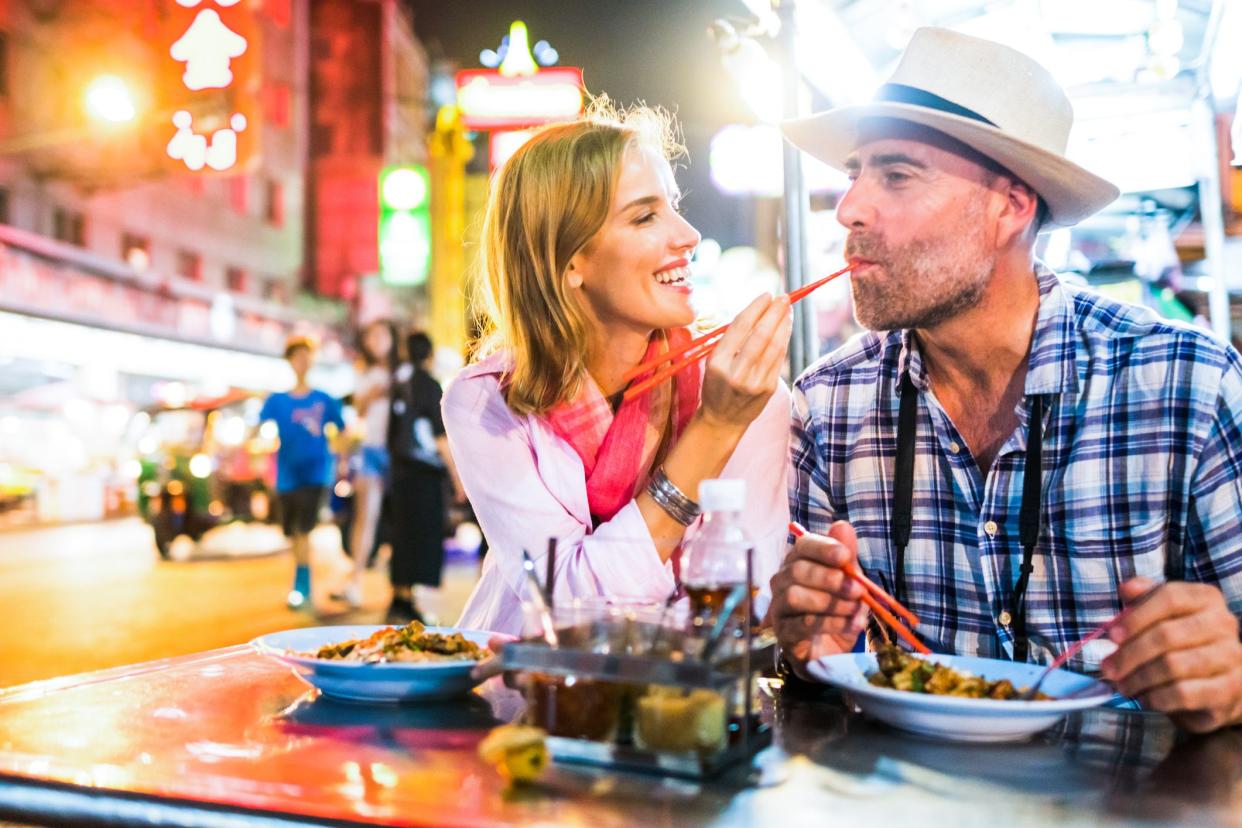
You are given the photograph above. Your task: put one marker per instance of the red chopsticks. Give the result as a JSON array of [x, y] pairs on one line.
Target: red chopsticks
[[700, 347], [874, 603]]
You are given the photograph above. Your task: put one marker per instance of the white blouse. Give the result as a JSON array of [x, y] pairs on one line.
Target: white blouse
[[526, 484]]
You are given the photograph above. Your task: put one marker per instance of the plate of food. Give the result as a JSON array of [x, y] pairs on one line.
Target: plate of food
[[959, 698], [374, 663]]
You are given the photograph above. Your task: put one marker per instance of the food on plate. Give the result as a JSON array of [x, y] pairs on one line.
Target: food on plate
[[673, 719], [901, 671], [411, 643], [518, 751]]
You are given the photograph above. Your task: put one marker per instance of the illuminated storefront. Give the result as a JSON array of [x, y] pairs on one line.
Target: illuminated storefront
[[91, 346]]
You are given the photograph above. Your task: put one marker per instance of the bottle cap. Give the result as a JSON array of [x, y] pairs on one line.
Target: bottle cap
[[723, 495]]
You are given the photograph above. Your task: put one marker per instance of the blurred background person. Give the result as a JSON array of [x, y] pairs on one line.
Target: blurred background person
[[371, 462], [307, 421], [420, 464]]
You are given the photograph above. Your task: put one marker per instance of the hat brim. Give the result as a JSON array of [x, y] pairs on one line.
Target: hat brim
[[1071, 192]]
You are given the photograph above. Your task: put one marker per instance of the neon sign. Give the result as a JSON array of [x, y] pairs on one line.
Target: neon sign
[[405, 225], [208, 48], [219, 153], [518, 93], [489, 100]]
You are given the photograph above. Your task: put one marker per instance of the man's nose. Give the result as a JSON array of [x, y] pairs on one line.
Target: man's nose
[[855, 210]]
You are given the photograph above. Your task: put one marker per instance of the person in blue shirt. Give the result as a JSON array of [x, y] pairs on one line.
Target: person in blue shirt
[[307, 420]]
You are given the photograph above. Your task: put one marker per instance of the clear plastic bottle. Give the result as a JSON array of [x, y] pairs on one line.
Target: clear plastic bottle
[[715, 559]]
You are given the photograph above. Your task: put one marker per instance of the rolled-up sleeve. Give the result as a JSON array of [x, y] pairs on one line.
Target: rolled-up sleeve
[[810, 503], [1214, 528]]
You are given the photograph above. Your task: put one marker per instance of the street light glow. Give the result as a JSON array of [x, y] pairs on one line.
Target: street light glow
[[108, 99], [404, 189], [201, 466]]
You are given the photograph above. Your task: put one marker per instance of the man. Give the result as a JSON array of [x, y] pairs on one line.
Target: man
[[306, 420], [1128, 427]]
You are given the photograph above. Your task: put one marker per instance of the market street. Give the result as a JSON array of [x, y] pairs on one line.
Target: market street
[[90, 596]]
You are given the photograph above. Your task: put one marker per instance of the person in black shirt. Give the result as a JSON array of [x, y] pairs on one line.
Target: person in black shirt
[[420, 464]]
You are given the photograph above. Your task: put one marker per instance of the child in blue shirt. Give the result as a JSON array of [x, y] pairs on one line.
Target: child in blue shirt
[[307, 421]]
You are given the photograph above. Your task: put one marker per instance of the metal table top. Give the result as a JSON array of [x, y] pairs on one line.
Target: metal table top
[[231, 737]]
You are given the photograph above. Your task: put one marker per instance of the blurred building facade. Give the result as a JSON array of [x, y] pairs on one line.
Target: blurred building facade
[[165, 258], [114, 195], [369, 109]]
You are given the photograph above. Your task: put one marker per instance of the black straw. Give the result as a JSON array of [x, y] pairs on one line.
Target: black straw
[[550, 579]]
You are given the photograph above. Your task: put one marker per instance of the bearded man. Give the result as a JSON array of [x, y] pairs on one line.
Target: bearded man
[[1015, 458]]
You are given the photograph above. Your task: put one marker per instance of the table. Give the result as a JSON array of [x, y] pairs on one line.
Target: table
[[231, 737]]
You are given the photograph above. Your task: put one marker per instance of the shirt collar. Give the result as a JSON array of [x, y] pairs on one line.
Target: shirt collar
[[1051, 368]]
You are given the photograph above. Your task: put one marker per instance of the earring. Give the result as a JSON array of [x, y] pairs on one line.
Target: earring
[[574, 279]]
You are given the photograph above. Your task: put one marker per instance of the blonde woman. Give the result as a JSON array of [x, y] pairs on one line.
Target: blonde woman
[[586, 275]]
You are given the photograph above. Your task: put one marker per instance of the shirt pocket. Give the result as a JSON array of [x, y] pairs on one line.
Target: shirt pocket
[[1105, 553]]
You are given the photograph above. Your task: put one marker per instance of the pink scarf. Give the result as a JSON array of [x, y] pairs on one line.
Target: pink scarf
[[619, 450]]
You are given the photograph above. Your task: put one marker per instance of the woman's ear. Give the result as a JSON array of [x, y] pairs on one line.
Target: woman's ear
[[573, 276]]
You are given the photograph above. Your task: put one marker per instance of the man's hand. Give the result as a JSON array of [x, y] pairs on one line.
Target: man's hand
[[815, 606], [1179, 653]]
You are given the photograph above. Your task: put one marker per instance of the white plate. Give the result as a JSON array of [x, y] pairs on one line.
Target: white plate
[[960, 719], [389, 682]]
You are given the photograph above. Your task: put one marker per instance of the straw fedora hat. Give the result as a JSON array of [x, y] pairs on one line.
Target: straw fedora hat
[[988, 96]]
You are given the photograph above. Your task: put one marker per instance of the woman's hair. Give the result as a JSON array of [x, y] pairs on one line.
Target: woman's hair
[[547, 202], [386, 360]]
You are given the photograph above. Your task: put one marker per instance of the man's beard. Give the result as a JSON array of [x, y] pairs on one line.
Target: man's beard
[[922, 283]]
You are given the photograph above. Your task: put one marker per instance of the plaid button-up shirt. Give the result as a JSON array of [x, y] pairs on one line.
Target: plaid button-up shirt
[[1142, 457]]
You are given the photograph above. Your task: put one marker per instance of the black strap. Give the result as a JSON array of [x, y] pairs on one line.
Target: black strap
[[1029, 513], [900, 93], [903, 480], [1028, 524]]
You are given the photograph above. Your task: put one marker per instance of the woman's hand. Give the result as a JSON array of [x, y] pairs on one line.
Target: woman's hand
[[742, 374], [743, 371]]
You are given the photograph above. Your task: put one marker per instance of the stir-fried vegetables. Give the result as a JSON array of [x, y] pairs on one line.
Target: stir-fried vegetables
[[409, 643], [901, 671]]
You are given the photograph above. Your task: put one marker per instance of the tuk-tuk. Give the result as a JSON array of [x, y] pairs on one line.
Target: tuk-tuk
[[203, 465]]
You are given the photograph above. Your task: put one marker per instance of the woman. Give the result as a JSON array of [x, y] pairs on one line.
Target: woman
[[587, 275], [371, 401]]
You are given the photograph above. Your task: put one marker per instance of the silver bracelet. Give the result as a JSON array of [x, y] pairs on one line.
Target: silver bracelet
[[672, 499]]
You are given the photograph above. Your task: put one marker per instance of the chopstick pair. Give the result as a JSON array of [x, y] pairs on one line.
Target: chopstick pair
[[700, 347], [875, 598]]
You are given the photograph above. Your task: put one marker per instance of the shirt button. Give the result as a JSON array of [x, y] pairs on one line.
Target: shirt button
[[1004, 618], [990, 528], [954, 447]]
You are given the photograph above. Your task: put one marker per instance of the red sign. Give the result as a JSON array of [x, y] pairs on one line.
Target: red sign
[[489, 100]]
